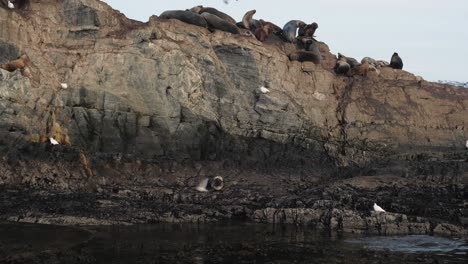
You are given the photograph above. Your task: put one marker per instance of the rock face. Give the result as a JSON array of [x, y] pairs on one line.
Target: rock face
[[152, 105]]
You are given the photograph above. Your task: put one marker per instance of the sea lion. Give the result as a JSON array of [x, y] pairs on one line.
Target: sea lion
[[263, 32], [351, 61], [308, 31], [20, 63], [249, 23], [311, 46], [186, 16], [360, 70], [273, 28], [396, 62], [302, 56], [290, 28], [217, 13], [216, 183], [341, 67], [196, 9], [215, 22]]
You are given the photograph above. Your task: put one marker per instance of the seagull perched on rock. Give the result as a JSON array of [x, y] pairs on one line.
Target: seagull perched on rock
[[201, 187], [264, 90], [10, 5], [64, 85], [53, 141], [378, 208]]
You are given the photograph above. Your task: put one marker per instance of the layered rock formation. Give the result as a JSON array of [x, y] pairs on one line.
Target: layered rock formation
[[153, 106]]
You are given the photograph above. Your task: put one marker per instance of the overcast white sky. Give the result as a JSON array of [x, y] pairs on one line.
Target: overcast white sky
[[431, 36]]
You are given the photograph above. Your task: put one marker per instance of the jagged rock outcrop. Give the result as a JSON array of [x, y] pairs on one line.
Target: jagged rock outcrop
[[156, 103]]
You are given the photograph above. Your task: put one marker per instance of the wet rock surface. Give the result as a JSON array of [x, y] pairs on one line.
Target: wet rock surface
[[153, 107]]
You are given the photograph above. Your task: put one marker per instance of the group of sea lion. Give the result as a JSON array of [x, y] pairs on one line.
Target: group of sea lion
[[351, 67], [214, 19]]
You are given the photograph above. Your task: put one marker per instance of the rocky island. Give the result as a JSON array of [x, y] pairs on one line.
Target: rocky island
[[150, 108]]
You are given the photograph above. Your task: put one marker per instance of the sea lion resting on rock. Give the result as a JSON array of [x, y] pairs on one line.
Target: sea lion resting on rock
[[249, 23], [185, 16], [20, 63], [200, 10], [351, 61], [342, 67], [215, 22], [290, 29], [302, 56], [396, 62], [263, 32], [360, 70], [308, 31]]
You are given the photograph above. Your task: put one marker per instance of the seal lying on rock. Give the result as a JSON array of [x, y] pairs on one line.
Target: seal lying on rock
[[206, 184], [308, 31], [290, 28], [249, 23], [351, 61], [360, 70], [186, 16], [302, 56], [215, 22], [342, 67], [396, 62], [201, 9], [21, 63]]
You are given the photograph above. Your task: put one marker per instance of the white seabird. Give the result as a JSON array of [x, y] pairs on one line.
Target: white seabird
[[64, 85], [264, 90], [53, 141], [11, 5], [466, 145], [201, 187], [378, 208]]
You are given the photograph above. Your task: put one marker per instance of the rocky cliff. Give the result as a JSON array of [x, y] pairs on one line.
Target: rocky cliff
[[152, 107]]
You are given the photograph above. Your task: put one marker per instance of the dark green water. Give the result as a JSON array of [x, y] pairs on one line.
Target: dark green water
[[217, 243]]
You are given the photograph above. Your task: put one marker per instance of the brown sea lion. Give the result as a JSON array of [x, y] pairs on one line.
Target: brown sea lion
[[351, 61], [360, 70], [302, 56], [308, 31], [248, 21], [186, 16], [274, 28], [396, 62], [290, 28], [342, 67], [215, 12], [215, 22], [263, 32], [20, 63]]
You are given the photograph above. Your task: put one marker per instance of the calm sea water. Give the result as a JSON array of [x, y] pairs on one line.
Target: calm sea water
[[217, 243]]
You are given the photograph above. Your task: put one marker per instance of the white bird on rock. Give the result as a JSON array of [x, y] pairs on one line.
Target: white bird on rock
[[201, 187], [64, 85], [264, 90], [10, 5], [53, 141], [378, 208]]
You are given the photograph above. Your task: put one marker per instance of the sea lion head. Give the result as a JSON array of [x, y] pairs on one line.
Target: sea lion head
[[196, 9], [395, 54], [314, 25]]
